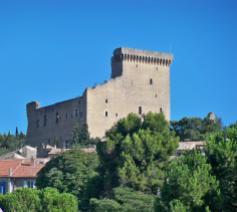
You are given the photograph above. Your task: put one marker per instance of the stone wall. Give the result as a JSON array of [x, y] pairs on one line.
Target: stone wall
[[54, 124], [140, 83]]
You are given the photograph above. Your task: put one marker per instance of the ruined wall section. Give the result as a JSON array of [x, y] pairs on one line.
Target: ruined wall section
[[54, 124]]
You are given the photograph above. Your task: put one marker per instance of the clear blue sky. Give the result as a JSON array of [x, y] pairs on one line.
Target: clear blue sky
[[51, 50]]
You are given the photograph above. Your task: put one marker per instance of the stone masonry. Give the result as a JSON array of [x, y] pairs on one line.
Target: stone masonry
[[140, 82]]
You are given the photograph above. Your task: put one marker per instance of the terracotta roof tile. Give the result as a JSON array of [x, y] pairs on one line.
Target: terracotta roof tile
[[19, 168]]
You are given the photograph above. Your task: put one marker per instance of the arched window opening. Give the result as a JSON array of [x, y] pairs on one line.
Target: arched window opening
[[151, 81], [57, 118], [161, 110]]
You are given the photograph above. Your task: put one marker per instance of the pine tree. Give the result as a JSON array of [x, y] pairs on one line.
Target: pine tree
[[16, 133]]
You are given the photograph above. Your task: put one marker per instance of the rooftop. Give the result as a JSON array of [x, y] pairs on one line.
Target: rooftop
[[189, 145], [20, 168]]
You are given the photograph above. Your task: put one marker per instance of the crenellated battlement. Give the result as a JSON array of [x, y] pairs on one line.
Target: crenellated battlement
[[124, 59], [141, 56]]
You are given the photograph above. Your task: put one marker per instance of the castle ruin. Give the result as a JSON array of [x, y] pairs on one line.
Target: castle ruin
[[140, 82]]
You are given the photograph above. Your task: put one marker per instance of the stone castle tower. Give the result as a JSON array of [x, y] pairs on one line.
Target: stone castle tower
[[140, 82]]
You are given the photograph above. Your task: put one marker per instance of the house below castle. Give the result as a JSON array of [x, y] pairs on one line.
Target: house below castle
[[140, 83], [18, 173]]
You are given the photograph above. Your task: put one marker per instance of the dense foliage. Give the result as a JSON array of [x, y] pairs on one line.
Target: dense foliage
[[11, 142], [190, 185], [204, 182], [82, 138], [124, 199], [69, 172], [222, 155], [32, 200], [135, 153], [133, 170], [195, 128]]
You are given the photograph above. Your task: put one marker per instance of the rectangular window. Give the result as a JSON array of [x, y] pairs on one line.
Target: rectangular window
[[57, 118], [161, 110], [3, 187], [151, 81], [139, 110], [106, 114], [29, 184]]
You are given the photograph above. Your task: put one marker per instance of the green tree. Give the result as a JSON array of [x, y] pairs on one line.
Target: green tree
[[21, 200], [177, 206], [195, 128], [16, 133], [81, 136], [32, 200], [104, 205], [52, 201], [189, 185], [188, 128], [131, 200], [135, 153], [124, 199], [10, 142], [221, 151], [209, 125], [73, 172]]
